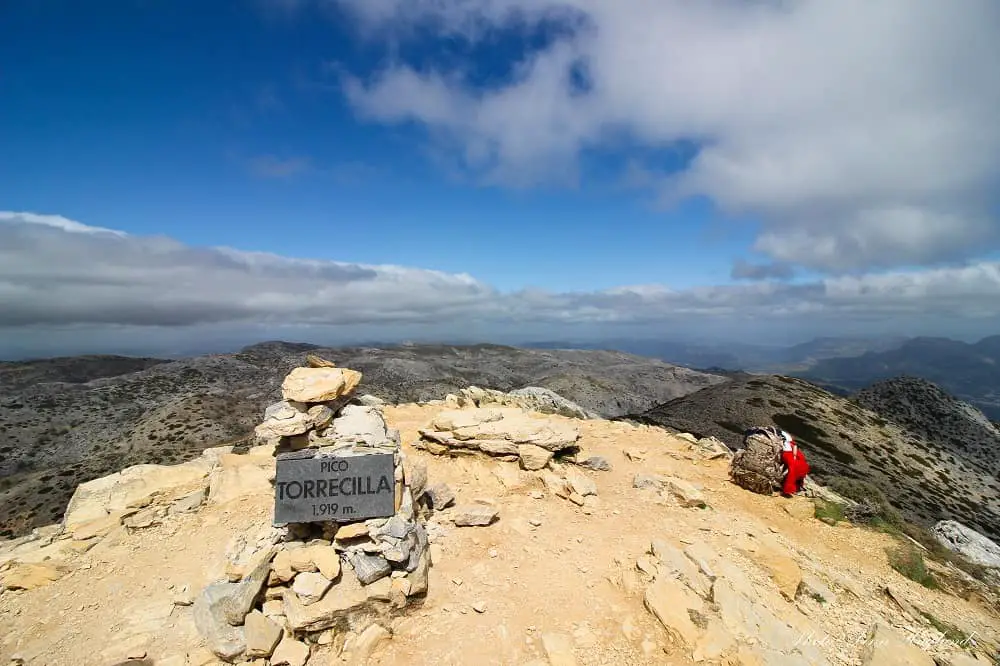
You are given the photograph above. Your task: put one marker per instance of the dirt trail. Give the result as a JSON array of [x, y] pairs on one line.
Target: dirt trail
[[544, 567]]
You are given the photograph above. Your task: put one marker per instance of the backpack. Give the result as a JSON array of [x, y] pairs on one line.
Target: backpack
[[757, 466]]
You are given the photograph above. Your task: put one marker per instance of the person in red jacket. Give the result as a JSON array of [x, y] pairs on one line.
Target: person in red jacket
[[795, 464]]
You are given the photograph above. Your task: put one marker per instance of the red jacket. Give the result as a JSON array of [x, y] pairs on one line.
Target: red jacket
[[798, 468]]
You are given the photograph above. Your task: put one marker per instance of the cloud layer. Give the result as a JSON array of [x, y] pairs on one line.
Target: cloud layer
[[860, 135], [56, 272]]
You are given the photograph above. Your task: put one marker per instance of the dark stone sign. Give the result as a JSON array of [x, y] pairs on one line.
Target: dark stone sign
[[329, 488]]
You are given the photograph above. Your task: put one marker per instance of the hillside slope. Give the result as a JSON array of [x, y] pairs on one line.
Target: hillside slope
[[925, 409], [928, 480], [55, 435]]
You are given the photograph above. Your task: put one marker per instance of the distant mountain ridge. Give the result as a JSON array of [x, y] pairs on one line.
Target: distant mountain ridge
[[970, 372], [936, 457], [68, 420]]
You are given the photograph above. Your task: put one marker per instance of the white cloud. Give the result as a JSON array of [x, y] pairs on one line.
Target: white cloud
[[59, 274], [860, 134]]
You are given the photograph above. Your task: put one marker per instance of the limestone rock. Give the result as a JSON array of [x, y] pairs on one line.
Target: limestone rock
[[262, 635], [530, 398], [533, 457], [672, 603], [961, 659], [319, 384], [368, 400], [290, 652], [336, 607], [782, 568], [683, 491], [351, 531], [359, 424], [222, 607], [799, 507], [418, 577], [812, 586], [885, 647], [369, 568], [189, 502], [499, 431], [31, 575], [475, 514], [288, 418], [314, 361], [559, 649], [281, 566], [714, 642], [224, 640], [676, 564], [581, 484], [133, 487], [301, 559], [746, 617], [231, 483], [311, 587], [440, 496], [326, 559], [644, 480], [596, 463], [968, 542], [556, 485], [415, 476], [366, 644], [539, 399]]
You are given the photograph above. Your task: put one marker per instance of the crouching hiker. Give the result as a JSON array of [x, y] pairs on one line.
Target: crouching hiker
[[796, 467], [769, 461]]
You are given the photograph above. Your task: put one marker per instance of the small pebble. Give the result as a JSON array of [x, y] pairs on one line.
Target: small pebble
[[479, 607]]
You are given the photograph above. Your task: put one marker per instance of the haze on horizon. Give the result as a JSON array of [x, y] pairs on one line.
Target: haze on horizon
[[180, 176]]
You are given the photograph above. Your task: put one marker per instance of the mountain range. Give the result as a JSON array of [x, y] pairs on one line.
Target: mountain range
[[64, 421], [841, 365], [970, 372]]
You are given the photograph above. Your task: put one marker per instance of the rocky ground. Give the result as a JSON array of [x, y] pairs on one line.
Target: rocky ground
[[657, 560], [933, 472], [66, 421]]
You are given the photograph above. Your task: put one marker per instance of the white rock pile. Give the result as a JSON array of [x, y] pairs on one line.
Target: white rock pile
[[531, 398], [508, 433], [303, 584]]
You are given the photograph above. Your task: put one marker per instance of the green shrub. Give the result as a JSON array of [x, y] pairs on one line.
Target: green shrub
[[829, 512], [950, 632], [940, 553], [873, 508], [909, 562]]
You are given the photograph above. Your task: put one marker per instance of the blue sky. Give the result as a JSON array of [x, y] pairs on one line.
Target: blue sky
[[622, 164], [219, 123]]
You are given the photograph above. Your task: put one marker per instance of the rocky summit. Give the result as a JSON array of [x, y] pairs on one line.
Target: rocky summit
[[515, 537], [66, 421]]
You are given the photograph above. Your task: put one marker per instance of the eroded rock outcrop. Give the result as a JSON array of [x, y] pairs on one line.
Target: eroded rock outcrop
[[968, 542], [530, 398]]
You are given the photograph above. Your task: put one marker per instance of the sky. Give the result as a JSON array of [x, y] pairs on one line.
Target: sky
[[178, 175]]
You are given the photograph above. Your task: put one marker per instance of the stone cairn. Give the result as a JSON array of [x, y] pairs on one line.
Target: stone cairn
[[299, 585]]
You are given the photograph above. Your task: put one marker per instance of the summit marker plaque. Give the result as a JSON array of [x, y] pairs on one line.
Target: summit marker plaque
[[330, 488]]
